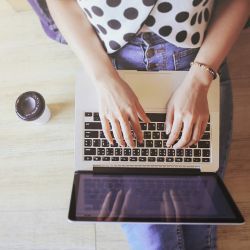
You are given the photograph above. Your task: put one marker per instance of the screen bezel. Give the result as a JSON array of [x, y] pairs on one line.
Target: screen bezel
[[237, 220]]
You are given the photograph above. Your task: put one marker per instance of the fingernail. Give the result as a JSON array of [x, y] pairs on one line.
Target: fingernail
[[167, 130]]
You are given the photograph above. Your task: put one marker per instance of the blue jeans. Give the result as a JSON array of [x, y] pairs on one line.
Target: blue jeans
[[147, 51]]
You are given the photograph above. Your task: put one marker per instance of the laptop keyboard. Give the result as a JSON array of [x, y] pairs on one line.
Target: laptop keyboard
[[153, 148]]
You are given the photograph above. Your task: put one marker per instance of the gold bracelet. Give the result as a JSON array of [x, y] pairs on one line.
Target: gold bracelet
[[207, 68]]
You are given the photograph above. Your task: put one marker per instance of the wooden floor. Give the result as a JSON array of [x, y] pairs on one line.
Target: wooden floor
[[36, 163]]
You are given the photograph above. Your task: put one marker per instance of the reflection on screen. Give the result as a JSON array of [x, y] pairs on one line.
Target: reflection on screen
[[110, 198]]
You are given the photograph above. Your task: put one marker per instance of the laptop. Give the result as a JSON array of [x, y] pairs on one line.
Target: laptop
[[150, 183]]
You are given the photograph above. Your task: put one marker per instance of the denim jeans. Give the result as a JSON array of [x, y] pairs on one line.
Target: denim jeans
[[147, 51]]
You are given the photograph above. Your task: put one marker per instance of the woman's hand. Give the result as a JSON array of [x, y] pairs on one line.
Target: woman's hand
[[187, 111], [119, 106]]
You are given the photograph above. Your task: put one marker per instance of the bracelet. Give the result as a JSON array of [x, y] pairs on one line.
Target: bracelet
[[205, 67]]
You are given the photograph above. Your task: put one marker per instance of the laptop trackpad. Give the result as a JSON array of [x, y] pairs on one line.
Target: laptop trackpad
[[152, 198]]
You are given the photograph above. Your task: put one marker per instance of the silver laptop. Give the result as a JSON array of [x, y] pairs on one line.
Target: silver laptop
[[124, 175]]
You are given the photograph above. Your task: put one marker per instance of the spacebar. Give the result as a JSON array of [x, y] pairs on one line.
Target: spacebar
[[157, 117]]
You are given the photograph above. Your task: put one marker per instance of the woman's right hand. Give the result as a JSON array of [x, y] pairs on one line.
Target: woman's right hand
[[120, 108]]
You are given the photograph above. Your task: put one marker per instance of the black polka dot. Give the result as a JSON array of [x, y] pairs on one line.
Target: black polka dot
[[200, 18], [182, 16], [206, 14], [131, 13], [165, 30], [96, 10], [129, 36], [113, 3], [205, 3], [164, 7], [148, 2], [114, 45], [195, 38], [150, 21], [181, 36], [196, 2], [193, 19], [114, 24], [88, 13], [102, 29]]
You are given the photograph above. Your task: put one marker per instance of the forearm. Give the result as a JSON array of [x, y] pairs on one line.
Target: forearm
[[224, 28], [81, 37]]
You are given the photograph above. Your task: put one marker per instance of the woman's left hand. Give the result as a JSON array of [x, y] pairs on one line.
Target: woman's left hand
[[187, 111]]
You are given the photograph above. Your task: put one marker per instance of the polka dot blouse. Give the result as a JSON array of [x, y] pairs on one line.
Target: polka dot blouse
[[182, 23]]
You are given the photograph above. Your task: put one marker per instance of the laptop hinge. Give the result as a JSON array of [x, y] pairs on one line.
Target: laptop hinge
[[145, 171]]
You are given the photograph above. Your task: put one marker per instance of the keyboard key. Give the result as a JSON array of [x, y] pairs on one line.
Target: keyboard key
[[149, 143], [153, 152], [87, 158], [118, 151], [147, 135], [127, 151], [143, 126], [96, 158], [96, 143], [151, 126], [156, 135], [88, 114], [133, 158], [89, 151], [171, 152], [93, 125], [106, 158], [205, 159], [179, 152], [160, 159], [151, 159], [178, 159], [124, 158], [188, 152], [206, 153], [157, 117], [164, 136], [87, 142], [204, 144], [144, 152], [208, 127], [100, 151], [96, 117], [158, 144], [105, 143], [169, 159], [136, 152], [91, 134], [160, 126], [193, 146], [187, 159], [142, 158], [196, 159], [140, 145], [109, 151], [206, 136], [197, 152], [115, 144], [114, 158], [162, 152], [102, 134]]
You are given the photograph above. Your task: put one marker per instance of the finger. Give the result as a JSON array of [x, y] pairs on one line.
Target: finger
[[169, 119], [126, 130], [117, 204], [186, 134], [125, 204], [203, 128], [104, 212], [168, 205], [106, 129], [136, 127], [141, 113], [175, 131], [117, 132], [196, 133], [176, 202]]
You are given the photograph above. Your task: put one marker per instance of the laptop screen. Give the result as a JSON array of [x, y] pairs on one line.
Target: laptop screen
[[152, 198]]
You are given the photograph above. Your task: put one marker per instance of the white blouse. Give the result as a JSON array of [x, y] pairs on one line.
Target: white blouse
[[182, 23]]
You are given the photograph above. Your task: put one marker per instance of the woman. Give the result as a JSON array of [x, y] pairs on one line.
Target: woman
[[146, 35]]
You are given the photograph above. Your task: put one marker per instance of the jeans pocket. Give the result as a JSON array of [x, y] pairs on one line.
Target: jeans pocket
[[183, 58]]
